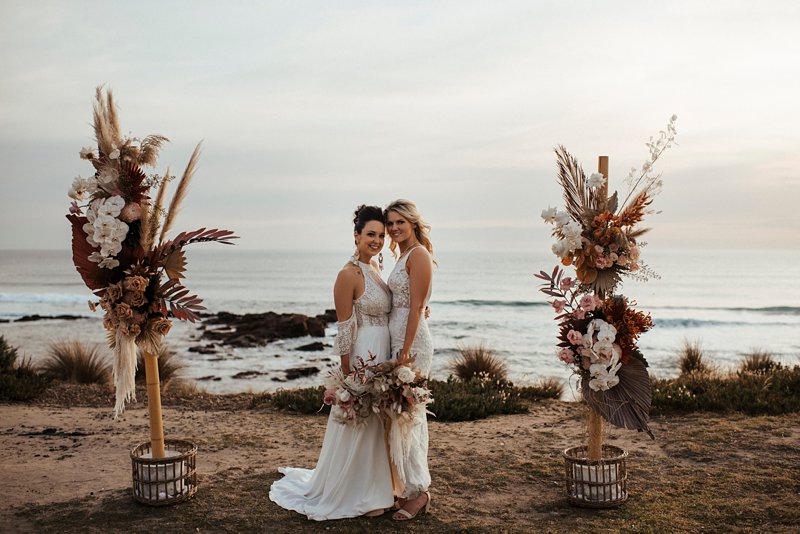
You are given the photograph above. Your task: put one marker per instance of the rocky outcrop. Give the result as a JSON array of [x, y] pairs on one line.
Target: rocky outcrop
[[256, 329]]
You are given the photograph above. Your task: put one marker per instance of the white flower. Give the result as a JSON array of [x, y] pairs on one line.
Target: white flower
[[560, 249], [405, 374], [79, 189], [343, 395], [87, 152], [604, 376], [109, 263], [603, 348], [562, 218], [111, 206], [114, 154], [549, 215], [596, 180], [96, 257], [572, 229], [108, 175]]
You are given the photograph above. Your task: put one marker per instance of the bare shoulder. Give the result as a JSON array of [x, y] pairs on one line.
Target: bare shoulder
[[349, 274], [418, 256]]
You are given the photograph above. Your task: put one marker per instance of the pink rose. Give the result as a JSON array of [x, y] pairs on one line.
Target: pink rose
[[566, 355], [131, 212], [598, 302], [558, 305], [633, 266], [598, 249], [579, 314], [622, 261], [633, 253], [587, 303], [566, 283], [574, 337], [329, 397]]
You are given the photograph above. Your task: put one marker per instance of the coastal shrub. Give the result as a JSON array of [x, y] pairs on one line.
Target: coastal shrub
[[478, 361], [75, 362], [8, 355], [19, 380], [544, 388], [759, 361], [771, 392], [692, 359], [303, 400], [169, 365], [460, 400]]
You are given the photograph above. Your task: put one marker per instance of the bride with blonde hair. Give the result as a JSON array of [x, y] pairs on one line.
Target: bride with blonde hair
[[410, 283]]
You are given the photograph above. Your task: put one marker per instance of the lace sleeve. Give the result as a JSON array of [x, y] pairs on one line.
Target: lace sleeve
[[346, 335]]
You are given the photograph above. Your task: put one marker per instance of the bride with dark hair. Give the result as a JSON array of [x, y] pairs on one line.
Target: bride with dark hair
[[352, 476]]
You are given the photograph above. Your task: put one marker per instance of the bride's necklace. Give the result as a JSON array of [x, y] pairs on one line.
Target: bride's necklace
[[409, 249]]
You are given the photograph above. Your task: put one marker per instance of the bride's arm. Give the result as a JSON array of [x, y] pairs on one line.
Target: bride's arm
[[343, 295], [420, 274]]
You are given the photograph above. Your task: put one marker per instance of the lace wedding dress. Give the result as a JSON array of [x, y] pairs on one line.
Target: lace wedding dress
[[409, 445], [352, 476]]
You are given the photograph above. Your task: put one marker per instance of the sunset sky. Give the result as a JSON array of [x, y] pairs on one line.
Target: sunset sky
[[307, 109]]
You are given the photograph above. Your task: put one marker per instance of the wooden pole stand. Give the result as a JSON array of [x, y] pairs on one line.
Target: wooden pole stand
[[154, 405], [595, 440]]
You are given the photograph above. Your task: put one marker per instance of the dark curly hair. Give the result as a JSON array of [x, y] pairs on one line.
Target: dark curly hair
[[365, 214]]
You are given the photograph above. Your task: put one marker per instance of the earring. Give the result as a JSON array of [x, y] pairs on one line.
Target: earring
[[380, 260]]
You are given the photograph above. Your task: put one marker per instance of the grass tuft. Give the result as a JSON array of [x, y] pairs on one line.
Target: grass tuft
[[468, 400], [692, 359], [760, 362], [303, 400], [478, 361], [75, 362], [544, 388], [169, 365], [19, 379]]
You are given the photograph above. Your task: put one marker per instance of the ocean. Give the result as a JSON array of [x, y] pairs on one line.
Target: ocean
[[732, 302]]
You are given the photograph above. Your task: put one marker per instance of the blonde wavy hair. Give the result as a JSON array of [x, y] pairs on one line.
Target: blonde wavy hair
[[408, 210]]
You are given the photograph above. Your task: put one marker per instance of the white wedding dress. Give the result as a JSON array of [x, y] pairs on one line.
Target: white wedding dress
[[353, 475], [409, 446]]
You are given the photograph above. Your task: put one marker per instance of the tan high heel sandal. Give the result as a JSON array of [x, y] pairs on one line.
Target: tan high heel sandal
[[405, 515]]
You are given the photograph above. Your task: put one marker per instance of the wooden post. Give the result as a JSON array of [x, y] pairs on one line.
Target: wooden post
[[154, 405], [595, 441]]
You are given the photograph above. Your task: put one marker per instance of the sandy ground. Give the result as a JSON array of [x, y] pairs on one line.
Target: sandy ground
[[491, 474]]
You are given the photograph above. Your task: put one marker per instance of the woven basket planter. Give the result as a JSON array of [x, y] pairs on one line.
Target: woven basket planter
[[596, 483], [170, 480]]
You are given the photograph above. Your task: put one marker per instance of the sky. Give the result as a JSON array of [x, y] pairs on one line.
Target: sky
[[309, 108]]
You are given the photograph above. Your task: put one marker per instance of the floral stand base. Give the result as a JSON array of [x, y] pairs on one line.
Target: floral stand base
[[596, 483], [170, 480]]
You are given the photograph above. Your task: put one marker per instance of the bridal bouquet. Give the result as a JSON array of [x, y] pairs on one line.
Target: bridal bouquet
[[597, 336], [597, 233], [352, 396], [402, 389], [119, 243]]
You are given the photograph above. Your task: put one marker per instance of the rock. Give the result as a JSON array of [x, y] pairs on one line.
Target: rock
[[37, 317], [209, 377], [248, 374], [316, 345], [257, 329], [329, 316], [299, 372], [204, 349]]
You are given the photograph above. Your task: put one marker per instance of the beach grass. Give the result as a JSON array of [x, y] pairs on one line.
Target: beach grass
[[76, 362]]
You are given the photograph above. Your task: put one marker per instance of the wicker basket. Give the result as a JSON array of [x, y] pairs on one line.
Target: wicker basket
[[159, 482], [596, 483]]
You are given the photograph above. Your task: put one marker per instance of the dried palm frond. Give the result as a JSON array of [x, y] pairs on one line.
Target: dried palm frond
[[180, 192], [144, 224], [155, 213], [581, 203], [149, 149]]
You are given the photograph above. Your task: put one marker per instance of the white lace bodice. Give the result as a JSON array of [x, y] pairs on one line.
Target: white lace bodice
[[422, 347], [370, 309]]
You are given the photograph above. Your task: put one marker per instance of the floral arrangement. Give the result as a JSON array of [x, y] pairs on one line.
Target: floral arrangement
[[599, 236], [351, 396], [402, 388], [119, 244], [597, 336], [393, 388]]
